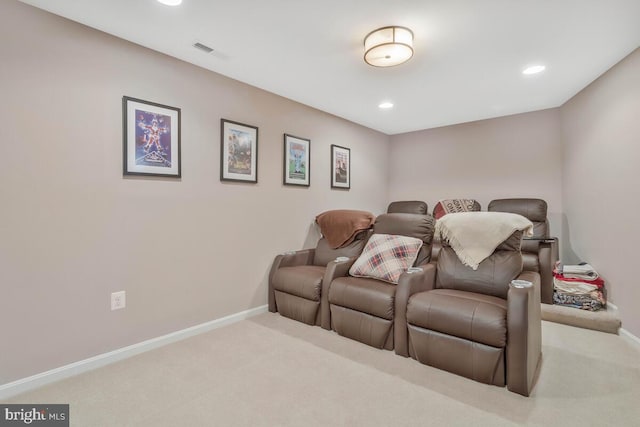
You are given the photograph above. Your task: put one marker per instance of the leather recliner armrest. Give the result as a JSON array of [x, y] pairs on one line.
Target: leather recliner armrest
[[287, 259], [547, 256], [336, 268], [524, 340], [409, 284]]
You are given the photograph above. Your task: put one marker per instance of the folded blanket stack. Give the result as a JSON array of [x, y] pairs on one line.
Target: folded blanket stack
[[578, 286]]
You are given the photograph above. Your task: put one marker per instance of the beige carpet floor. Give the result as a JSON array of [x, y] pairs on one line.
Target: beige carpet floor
[[272, 371]]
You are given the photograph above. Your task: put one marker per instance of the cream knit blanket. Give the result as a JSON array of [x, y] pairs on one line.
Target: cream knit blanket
[[475, 235]]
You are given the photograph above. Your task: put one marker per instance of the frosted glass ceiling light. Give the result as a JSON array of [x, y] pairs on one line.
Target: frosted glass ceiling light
[[170, 2], [388, 46]]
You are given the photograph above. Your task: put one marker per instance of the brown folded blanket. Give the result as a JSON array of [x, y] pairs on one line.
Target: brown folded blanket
[[340, 227]]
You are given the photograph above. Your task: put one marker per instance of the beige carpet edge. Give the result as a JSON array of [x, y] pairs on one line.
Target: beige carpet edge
[[603, 320]]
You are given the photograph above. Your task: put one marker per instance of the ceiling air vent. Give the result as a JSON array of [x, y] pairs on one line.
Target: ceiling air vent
[[203, 48]]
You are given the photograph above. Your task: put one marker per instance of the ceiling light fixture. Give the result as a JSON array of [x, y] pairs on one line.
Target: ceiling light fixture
[[388, 46], [170, 2], [385, 105], [534, 69]]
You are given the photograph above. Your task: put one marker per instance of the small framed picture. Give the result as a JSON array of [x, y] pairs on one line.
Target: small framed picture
[[297, 158], [340, 167], [238, 152], [151, 138]]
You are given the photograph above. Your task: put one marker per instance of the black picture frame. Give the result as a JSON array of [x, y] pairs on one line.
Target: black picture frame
[[238, 152], [151, 141], [296, 161], [340, 167]]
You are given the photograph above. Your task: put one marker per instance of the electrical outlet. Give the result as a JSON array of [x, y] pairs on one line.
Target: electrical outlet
[[118, 300]]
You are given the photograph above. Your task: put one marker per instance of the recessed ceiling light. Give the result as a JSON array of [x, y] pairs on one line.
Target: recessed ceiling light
[[534, 69], [385, 105], [170, 2]]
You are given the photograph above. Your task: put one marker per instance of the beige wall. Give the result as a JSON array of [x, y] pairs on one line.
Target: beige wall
[[601, 141], [186, 251], [514, 156]]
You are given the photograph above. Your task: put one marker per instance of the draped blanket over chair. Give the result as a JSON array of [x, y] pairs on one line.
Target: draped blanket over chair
[[340, 227], [475, 235]]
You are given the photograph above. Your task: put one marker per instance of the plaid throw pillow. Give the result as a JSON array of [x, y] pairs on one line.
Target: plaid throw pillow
[[386, 257]]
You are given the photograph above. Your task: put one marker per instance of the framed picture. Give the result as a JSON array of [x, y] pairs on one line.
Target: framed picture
[[238, 152], [340, 167], [297, 158], [151, 138]]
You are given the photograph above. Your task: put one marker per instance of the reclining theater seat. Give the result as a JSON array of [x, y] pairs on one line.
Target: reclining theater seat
[[295, 279], [363, 308], [540, 252], [475, 323]]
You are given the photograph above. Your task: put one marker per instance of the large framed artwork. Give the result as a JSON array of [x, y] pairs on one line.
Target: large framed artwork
[[340, 167], [151, 138], [297, 156], [238, 152]]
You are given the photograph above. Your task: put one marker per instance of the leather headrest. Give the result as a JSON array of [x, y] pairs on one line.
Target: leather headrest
[[410, 206], [532, 209], [406, 224]]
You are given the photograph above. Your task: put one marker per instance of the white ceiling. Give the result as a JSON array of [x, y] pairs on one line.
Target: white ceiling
[[468, 59]]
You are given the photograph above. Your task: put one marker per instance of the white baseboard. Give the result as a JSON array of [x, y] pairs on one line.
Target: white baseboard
[[623, 332], [630, 337], [25, 384]]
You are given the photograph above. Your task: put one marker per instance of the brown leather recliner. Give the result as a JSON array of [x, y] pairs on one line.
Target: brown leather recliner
[[295, 279], [363, 308], [539, 252], [476, 323]]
